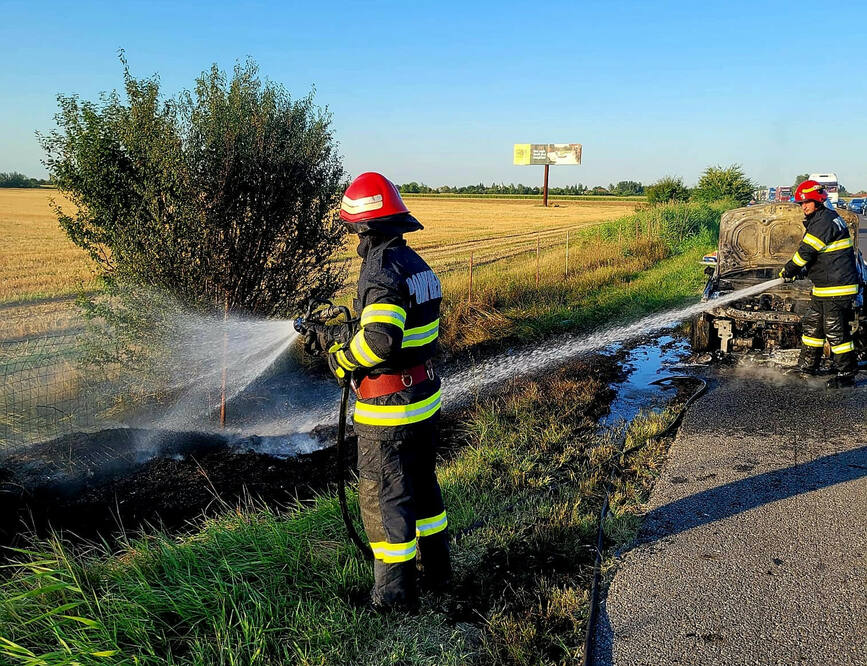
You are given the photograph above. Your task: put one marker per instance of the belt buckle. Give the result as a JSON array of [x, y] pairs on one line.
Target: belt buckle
[[406, 379]]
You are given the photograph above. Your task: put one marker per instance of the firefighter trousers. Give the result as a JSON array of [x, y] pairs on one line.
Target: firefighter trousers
[[829, 318], [403, 514]]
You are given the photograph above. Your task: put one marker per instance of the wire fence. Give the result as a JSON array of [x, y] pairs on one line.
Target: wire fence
[[45, 392]]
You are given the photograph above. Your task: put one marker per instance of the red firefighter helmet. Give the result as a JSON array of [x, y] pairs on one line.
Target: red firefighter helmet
[[810, 190], [372, 203]]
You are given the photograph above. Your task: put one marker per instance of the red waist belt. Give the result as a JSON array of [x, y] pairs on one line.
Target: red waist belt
[[386, 384]]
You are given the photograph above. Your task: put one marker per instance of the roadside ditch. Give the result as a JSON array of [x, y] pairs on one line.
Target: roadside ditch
[[89, 485]]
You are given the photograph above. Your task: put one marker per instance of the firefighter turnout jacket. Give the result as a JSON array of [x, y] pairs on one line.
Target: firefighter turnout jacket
[[399, 306], [828, 255]]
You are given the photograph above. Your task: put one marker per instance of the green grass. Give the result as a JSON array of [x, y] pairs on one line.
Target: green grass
[[618, 271], [260, 586], [255, 586]]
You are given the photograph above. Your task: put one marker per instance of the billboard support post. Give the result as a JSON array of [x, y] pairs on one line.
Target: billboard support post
[[547, 154]]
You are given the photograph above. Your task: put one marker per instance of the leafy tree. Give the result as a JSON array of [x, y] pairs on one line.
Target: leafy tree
[[800, 178], [668, 188], [719, 182], [229, 190], [628, 188]]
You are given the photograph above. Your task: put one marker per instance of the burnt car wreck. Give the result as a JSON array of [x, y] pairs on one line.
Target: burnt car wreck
[[754, 243]]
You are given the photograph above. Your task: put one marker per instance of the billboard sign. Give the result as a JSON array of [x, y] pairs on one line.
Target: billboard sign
[[547, 153]]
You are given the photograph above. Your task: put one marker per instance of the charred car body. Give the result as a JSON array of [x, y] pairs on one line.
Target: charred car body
[[754, 243]]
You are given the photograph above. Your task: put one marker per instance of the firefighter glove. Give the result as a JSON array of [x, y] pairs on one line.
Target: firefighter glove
[[340, 373], [786, 277]]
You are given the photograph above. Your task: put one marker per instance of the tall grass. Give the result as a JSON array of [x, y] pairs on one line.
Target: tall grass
[[617, 270], [255, 586]]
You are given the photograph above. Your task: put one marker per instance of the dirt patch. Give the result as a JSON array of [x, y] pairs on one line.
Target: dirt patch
[[95, 485], [74, 485]]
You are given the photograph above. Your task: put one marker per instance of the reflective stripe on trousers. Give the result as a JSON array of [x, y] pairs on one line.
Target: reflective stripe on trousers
[[812, 342], [430, 526], [391, 553]]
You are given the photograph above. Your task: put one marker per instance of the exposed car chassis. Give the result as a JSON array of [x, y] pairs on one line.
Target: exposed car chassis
[[754, 243]]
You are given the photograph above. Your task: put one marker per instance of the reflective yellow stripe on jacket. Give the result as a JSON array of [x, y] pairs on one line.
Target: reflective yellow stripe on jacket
[[844, 244], [395, 415], [362, 351], [814, 242], [799, 260], [421, 335], [383, 313], [829, 292]]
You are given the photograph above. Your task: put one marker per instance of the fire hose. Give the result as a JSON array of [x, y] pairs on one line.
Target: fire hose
[[305, 327], [587, 657]]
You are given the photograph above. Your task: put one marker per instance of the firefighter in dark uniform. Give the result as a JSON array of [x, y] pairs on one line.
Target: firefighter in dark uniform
[[388, 360], [827, 254]]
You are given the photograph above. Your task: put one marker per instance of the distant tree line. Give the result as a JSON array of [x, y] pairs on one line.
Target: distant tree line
[[623, 188], [15, 179]]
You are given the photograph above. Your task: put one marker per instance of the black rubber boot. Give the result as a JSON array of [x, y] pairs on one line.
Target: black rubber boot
[[841, 381], [808, 363], [394, 588], [435, 573]]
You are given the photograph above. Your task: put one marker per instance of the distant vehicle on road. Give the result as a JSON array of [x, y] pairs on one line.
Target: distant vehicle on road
[[841, 203], [829, 180], [784, 194], [754, 243], [856, 206]]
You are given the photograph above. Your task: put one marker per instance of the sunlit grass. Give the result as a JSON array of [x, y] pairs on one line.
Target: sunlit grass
[[523, 487]]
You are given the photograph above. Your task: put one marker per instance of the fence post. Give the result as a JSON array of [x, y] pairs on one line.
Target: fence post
[[470, 287], [566, 269], [225, 353], [537, 262]]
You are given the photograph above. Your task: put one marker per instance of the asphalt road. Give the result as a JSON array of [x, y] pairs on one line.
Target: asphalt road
[[753, 548]]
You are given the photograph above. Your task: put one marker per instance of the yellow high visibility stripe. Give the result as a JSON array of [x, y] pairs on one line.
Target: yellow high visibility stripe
[[844, 290], [839, 245], [812, 342], [814, 242], [842, 349], [421, 335], [362, 351], [343, 361], [384, 313], [799, 260], [393, 552], [395, 415], [429, 526]]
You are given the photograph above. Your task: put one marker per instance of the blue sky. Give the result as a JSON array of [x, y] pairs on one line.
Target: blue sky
[[438, 92]]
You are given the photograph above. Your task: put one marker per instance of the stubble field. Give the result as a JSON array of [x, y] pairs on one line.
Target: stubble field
[[41, 270]]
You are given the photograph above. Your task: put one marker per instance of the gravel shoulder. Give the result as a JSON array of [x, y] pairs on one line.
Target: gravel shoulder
[[753, 547]]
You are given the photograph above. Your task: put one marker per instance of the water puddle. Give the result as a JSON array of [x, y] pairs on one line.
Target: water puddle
[[645, 364]]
